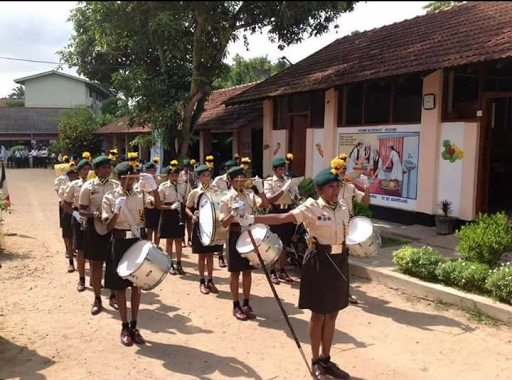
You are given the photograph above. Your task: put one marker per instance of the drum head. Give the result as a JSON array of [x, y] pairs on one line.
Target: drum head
[[360, 228], [133, 258], [244, 244], [206, 219]]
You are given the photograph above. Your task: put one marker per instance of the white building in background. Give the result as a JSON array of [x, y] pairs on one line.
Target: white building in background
[[54, 89]]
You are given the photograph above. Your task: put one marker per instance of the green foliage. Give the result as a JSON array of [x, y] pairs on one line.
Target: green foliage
[[146, 141], [164, 56], [435, 6], [248, 70], [446, 207], [391, 242], [113, 106], [464, 275], [17, 92], [418, 262], [361, 209], [485, 240], [15, 103], [76, 131], [306, 188], [499, 283]]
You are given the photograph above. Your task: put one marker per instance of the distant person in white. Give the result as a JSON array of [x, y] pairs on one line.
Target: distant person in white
[[378, 165], [394, 160], [355, 156]]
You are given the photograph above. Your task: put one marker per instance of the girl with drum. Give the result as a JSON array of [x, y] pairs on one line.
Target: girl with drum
[[72, 205], [205, 253], [324, 283], [123, 212], [151, 213], [240, 201], [172, 219]]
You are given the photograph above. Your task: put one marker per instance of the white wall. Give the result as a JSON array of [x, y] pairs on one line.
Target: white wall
[[55, 91]]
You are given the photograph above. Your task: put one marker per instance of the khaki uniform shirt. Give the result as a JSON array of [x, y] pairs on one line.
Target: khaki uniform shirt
[[327, 226], [189, 181], [168, 193], [273, 186], [72, 192], [349, 193], [248, 196], [132, 214], [149, 200], [59, 182], [221, 183], [193, 197]]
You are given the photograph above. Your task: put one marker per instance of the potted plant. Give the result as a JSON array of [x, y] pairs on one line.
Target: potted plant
[[445, 224]]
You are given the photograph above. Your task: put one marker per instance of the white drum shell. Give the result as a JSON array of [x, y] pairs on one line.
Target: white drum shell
[[219, 234], [270, 247], [363, 246], [151, 271]]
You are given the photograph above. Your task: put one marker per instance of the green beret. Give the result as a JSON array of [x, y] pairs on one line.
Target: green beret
[[279, 162], [123, 169], [230, 164], [149, 165], [70, 171], [202, 168], [186, 162], [325, 177], [100, 161], [170, 170], [82, 163], [235, 172]]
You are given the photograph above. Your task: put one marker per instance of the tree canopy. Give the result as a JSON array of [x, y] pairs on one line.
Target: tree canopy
[[17, 93], [435, 6], [164, 56]]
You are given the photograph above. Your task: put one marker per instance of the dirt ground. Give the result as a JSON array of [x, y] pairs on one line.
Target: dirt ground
[[47, 331]]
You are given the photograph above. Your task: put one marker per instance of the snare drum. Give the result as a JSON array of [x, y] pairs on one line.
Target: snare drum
[[362, 239], [211, 231], [269, 245], [144, 264]]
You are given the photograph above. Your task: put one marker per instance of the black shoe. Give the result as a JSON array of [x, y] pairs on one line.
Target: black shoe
[[333, 370], [180, 270]]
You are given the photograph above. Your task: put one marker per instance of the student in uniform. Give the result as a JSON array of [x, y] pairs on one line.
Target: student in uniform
[[325, 279], [189, 180], [221, 183], [276, 190], [151, 212], [67, 228], [123, 213], [229, 217], [172, 219], [59, 182], [72, 205], [96, 236], [205, 253]]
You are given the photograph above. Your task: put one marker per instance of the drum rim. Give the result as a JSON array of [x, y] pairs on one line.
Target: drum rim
[[122, 257], [267, 229], [362, 218], [212, 207]]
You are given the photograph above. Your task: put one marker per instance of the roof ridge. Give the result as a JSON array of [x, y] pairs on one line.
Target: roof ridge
[[237, 86]]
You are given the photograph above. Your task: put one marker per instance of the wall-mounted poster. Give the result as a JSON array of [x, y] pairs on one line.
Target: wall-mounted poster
[[388, 156]]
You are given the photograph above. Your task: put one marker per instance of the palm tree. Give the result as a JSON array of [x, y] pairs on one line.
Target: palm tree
[[17, 93]]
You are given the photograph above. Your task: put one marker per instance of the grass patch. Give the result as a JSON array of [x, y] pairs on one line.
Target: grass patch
[[392, 242], [476, 315]]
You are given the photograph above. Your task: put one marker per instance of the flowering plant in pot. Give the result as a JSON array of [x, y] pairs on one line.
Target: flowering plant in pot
[[445, 223]]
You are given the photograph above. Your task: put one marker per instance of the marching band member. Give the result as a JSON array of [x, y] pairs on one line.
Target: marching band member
[[205, 252], [236, 158], [239, 200], [348, 191], [59, 182], [151, 212], [72, 205], [67, 229], [172, 223], [96, 236], [189, 180], [123, 211], [324, 282], [221, 183], [276, 190]]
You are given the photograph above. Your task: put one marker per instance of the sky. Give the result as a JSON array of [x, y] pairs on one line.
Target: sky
[[37, 30]]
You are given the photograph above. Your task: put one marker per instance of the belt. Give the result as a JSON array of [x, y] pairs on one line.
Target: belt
[[123, 234], [330, 249], [282, 207]]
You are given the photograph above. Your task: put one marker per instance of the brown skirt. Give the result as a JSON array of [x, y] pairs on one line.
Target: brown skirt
[[322, 288]]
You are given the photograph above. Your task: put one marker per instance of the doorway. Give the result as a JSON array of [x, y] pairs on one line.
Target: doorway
[[495, 167], [298, 127], [257, 151]]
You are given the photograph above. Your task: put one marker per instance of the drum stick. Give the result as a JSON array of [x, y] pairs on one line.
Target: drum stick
[[285, 315]]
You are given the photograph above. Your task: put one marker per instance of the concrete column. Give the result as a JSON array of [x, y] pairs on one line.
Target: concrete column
[[330, 126], [430, 146], [235, 143], [205, 144], [268, 126]]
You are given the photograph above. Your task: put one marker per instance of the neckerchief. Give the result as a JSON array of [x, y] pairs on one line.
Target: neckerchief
[[103, 181], [205, 186], [331, 205], [128, 192]]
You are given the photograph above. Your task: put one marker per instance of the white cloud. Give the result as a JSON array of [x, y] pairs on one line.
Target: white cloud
[[37, 30]]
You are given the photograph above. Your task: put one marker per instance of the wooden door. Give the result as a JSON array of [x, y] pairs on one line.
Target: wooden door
[[297, 136]]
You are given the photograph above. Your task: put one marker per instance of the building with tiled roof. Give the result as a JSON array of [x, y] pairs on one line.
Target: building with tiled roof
[[422, 107]]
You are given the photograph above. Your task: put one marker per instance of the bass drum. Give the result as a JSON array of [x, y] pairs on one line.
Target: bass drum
[[144, 264], [269, 245], [211, 231], [362, 238]]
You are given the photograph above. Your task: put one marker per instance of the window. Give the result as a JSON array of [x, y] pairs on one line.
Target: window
[[377, 106], [408, 99], [352, 104], [90, 92], [317, 109], [499, 77], [461, 90]]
